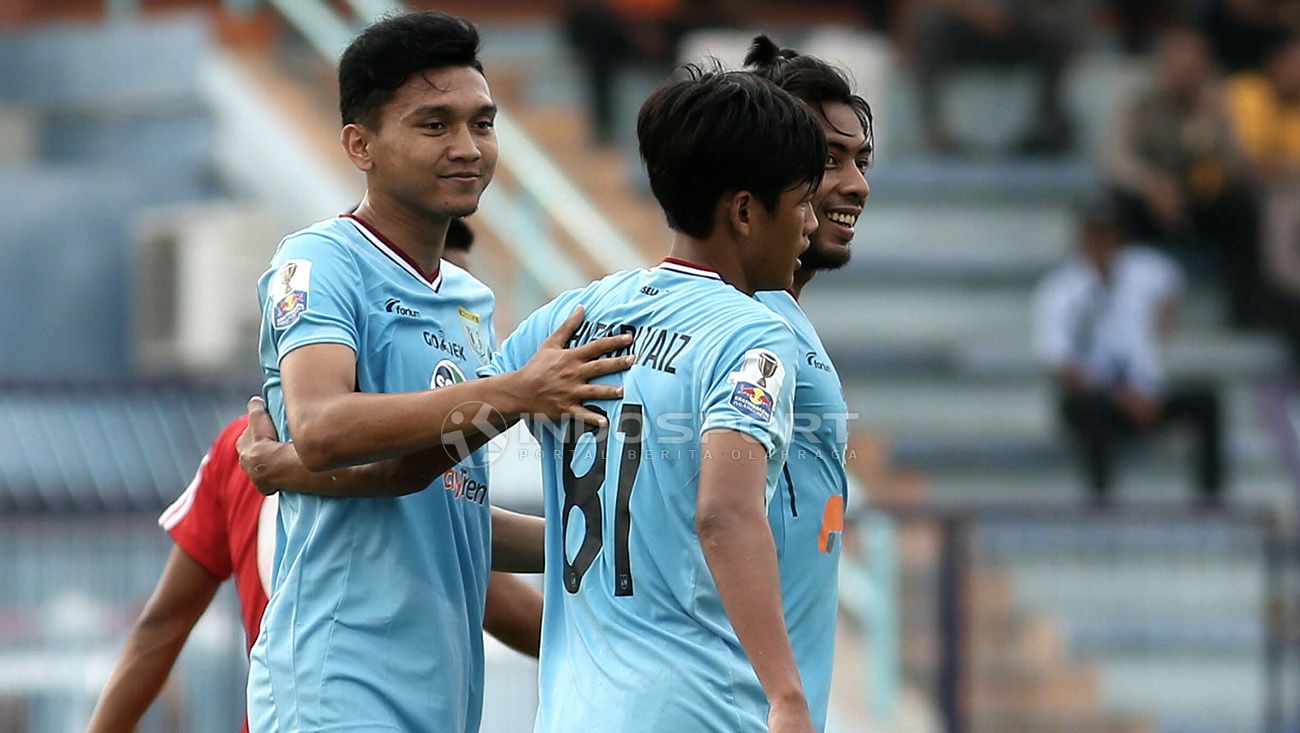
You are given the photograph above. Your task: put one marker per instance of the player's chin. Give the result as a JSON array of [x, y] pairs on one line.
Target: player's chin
[[829, 253], [456, 206]]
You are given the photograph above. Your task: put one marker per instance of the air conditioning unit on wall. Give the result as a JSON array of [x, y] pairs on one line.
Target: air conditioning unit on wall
[[194, 281]]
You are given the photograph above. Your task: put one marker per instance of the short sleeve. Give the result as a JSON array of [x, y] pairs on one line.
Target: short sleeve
[[1166, 277], [197, 520], [1053, 320], [525, 340], [311, 295], [751, 386]]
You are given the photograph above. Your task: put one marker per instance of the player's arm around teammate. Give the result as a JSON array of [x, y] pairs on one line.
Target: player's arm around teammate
[[517, 539], [335, 426]]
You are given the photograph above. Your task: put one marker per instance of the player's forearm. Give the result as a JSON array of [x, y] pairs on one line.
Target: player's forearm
[[137, 679], [741, 554], [278, 467], [518, 542], [355, 428], [513, 614]]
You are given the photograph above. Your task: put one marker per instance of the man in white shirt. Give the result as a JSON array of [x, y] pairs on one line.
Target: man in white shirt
[[1099, 322]]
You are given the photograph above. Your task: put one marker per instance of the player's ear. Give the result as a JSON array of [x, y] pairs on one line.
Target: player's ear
[[356, 143], [740, 205]]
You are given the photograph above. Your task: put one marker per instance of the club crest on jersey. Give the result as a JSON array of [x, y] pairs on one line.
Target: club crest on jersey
[[289, 289], [445, 374], [474, 336], [756, 384], [478, 344]]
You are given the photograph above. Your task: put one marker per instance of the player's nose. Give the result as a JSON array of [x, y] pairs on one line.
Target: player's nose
[[809, 221], [463, 146]]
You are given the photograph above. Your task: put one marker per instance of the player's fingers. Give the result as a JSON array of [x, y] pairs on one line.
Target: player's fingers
[[593, 392], [561, 335], [587, 416], [601, 367], [259, 420], [594, 349]]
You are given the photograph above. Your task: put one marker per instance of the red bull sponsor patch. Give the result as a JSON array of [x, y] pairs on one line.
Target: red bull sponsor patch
[[756, 384], [289, 292], [753, 401]]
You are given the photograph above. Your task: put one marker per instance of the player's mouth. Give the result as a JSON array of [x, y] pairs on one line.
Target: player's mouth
[[463, 177], [841, 220]]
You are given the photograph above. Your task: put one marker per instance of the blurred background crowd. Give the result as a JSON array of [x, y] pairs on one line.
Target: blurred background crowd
[[1070, 331]]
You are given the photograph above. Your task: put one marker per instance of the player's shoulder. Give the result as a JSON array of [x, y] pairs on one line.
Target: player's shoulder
[[610, 288], [327, 239], [613, 284], [742, 310], [780, 302], [459, 281]]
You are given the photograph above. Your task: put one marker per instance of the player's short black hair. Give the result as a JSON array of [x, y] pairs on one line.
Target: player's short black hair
[[386, 53], [711, 132], [459, 236], [810, 79]]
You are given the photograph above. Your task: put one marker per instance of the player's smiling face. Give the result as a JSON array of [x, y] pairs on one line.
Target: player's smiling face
[[436, 146], [844, 190]]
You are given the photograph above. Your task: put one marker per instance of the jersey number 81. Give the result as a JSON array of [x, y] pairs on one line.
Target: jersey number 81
[[584, 493]]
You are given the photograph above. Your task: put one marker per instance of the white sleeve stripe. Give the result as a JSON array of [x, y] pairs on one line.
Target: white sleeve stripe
[[173, 514]]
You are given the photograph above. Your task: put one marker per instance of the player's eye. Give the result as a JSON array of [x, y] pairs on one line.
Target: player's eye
[[864, 164], [485, 124], [830, 160], [434, 126]]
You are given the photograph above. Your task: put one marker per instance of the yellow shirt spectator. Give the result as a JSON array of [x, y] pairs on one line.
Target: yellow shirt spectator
[[1267, 127]]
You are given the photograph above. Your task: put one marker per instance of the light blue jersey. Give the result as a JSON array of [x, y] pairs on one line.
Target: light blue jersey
[[634, 636], [807, 516], [375, 617]]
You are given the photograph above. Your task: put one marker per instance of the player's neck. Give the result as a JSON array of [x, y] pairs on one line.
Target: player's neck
[[418, 237], [802, 277], [714, 255]]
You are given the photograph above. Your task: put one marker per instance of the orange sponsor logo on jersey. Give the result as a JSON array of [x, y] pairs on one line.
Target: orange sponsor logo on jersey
[[832, 524]]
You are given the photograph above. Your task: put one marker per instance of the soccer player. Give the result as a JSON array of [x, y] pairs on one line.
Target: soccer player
[[224, 527], [809, 516], [662, 597], [377, 603]]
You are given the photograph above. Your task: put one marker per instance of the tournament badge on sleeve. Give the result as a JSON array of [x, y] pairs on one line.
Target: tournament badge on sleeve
[[757, 383], [474, 336], [289, 292]]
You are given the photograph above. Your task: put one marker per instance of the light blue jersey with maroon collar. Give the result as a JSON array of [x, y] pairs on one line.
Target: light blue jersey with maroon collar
[[634, 636], [376, 611], [807, 515]]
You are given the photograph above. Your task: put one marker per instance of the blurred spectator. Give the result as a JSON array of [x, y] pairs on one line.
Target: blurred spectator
[[612, 35], [1266, 117], [1242, 31], [955, 33], [1138, 22], [1099, 321], [1281, 238], [1265, 109], [460, 239], [1182, 179]]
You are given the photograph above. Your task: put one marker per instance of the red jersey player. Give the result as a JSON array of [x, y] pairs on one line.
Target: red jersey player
[[222, 527]]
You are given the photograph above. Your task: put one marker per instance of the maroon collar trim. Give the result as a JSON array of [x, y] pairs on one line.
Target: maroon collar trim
[[392, 251]]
